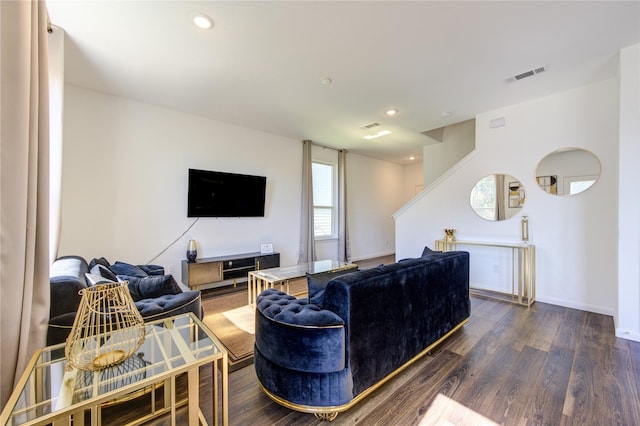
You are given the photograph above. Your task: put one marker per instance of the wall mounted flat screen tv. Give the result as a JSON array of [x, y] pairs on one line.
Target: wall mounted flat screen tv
[[220, 194]]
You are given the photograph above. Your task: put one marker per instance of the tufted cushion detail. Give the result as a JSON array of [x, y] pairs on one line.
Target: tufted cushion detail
[[169, 305], [286, 309], [294, 334]]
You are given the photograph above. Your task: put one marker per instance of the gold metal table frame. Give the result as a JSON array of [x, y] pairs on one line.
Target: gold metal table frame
[[49, 394], [269, 278], [523, 278]]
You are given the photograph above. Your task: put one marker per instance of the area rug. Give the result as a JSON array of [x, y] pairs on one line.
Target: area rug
[[235, 330]]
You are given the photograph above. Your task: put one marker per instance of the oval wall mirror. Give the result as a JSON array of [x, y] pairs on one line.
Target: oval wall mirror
[[497, 197], [568, 171]]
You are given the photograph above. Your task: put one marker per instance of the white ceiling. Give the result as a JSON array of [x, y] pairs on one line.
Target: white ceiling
[[261, 64]]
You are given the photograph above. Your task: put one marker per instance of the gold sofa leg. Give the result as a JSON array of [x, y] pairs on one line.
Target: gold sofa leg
[[326, 416]]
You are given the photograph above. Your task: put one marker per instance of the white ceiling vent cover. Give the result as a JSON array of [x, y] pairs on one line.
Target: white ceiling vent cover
[[527, 74]]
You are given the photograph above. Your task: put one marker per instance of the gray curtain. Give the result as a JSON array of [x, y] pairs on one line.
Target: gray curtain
[[24, 187], [500, 197], [344, 251], [307, 250]]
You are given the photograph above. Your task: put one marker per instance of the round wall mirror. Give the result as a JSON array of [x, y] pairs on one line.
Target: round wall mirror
[[568, 171], [497, 197]]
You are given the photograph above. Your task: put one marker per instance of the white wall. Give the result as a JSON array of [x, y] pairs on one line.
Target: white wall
[[124, 190], [457, 141], [413, 180], [628, 308], [374, 193], [124, 186], [576, 237]]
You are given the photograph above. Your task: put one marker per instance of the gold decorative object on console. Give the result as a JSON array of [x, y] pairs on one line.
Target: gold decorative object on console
[[525, 229], [107, 329], [449, 234]]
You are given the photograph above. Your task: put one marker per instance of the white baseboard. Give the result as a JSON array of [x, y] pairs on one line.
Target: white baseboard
[[581, 306], [373, 256], [628, 334]]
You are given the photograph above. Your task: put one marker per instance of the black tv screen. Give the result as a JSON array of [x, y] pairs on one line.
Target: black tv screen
[[220, 194]]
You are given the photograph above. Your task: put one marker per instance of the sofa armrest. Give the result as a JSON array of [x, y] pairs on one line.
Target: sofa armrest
[[65, 296], [298, 335], [67, 278]]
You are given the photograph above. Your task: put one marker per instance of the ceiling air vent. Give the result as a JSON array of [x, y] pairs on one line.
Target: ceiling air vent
[[370, 126], [527, 74], [524, 75]]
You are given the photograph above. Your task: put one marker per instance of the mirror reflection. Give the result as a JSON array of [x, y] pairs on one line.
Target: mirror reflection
[[497, 197], [568, 171]]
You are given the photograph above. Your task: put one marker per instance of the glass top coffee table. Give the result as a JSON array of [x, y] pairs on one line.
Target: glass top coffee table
[[51, 392], [268, 278]]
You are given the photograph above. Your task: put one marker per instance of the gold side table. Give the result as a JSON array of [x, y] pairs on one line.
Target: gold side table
[[48, 394]]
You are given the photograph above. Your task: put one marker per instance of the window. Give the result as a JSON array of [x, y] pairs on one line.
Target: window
[[324, 200], [577, 184], [483, 198]]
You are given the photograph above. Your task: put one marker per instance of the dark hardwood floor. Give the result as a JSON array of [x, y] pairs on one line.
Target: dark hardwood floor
[[546, 365]]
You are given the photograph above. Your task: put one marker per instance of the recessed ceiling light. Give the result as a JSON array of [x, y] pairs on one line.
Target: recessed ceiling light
[[201, 20], [377, 135], [392, 112], [412, 158], [325, 81]]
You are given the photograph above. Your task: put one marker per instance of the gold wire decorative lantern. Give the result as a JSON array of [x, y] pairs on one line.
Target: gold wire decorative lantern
[[107, 329]]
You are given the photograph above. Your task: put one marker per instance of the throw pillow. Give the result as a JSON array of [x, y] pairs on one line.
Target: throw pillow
[[98, 261], [122, 268], [427, 252], [103, 271], [95, 279], [152, 269], [151, 287], [317, 284]]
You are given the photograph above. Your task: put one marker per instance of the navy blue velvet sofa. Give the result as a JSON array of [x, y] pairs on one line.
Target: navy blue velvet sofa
[[324, 356], [156, 295]]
